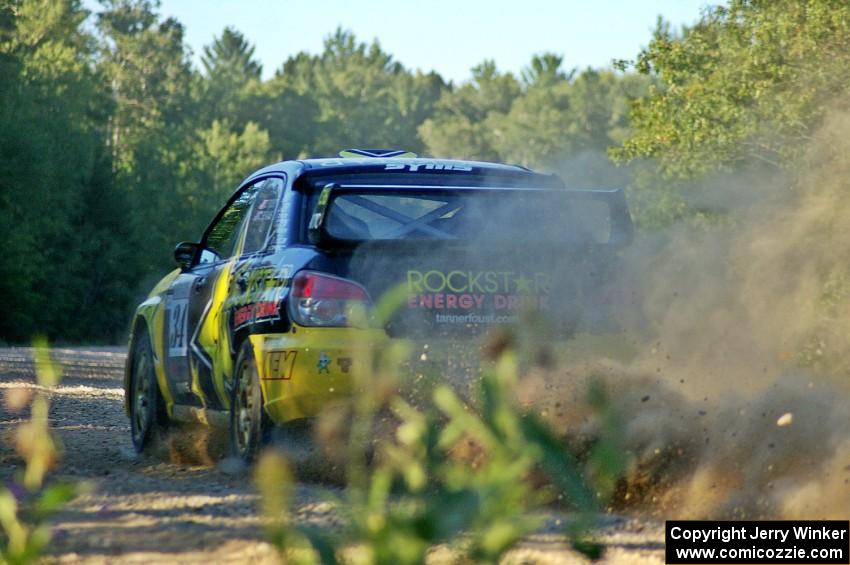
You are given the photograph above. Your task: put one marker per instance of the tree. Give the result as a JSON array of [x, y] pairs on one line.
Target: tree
[[748, 83], [545, 121], [113, 147], [459, 127], [152, 126], [226, 157], [53, 174], [290, 116], [230, 72], [231, 54], [544, 70], [363, 98]]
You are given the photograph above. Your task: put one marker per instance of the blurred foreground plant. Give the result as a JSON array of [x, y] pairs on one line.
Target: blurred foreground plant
[[473, 476], [27, 504]]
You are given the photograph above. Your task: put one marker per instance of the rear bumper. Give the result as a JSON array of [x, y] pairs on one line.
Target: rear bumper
[[303, 371]]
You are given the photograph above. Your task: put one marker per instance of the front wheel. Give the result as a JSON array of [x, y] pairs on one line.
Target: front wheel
[[147, 409], [249, 423]]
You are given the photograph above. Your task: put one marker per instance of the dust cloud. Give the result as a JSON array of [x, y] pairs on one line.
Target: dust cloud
[[736, 401], [728, 356]]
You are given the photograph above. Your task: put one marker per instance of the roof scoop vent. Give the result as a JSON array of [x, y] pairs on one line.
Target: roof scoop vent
[[376, 153]]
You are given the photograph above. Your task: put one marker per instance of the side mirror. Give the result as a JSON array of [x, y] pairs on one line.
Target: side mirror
[[185, 254]]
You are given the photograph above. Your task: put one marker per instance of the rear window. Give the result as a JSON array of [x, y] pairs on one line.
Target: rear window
[[507, 214]]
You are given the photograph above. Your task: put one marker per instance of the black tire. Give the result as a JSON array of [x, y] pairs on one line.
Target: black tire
[[148, 417], [249, 423]]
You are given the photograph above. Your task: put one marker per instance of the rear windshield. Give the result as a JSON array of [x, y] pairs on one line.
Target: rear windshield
[[463, 214]]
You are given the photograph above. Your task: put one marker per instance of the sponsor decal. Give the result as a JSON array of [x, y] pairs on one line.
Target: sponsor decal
[[399, 164], [263, 278], [259, 294], [475, 291], [344, 364], [259, 311], [279, 365], [489, 282], [324, 363], [413, 167]]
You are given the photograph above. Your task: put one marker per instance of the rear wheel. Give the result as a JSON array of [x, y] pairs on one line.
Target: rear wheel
[[249, 424], [147, 409]]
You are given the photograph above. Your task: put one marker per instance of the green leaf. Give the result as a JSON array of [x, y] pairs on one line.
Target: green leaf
[[54, 497]]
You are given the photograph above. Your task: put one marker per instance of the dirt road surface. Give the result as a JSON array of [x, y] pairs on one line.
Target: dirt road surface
[[181, 506]]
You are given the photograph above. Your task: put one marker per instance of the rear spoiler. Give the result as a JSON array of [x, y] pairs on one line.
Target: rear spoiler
[[622, 228]]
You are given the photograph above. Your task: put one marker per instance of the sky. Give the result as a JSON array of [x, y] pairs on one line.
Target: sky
[[447, 36]]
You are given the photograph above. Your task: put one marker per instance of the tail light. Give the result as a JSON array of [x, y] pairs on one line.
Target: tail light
[[319, 299]]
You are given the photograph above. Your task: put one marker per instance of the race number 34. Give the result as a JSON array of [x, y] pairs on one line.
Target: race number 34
[[176, 314]]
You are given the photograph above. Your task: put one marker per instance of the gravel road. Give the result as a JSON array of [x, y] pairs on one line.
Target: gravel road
[[179, 505]]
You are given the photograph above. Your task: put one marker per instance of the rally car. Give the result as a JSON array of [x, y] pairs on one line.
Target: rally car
[[259, 324]]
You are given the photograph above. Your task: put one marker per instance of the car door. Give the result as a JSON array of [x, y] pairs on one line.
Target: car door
[[239, 298], [193, 302]]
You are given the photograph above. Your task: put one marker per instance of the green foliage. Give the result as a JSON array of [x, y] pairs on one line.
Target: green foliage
[[152, 121], [540, 122], [749, 82], [544, 70], [114, 147], [472, 476], [744, 89], [362, 97], [226, 156], [460, 126], [26, 506], [52, 166], [231, 74]]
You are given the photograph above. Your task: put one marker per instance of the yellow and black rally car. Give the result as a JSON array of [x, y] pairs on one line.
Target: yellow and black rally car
[[257, 326]]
